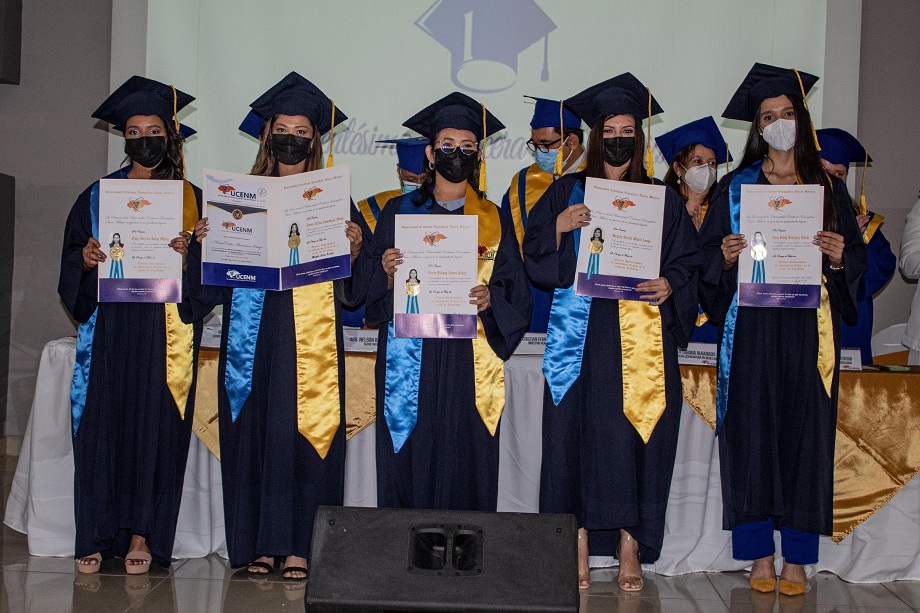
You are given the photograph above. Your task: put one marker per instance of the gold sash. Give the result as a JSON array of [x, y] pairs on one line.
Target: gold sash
[[537, 181], [642, 348], [180, 349], [489, 368], [318, 398], [871, 228], [826, 352], [382, 198]]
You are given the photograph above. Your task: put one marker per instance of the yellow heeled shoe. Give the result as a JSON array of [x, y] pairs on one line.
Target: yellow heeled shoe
[[792, 588], [763, 585]]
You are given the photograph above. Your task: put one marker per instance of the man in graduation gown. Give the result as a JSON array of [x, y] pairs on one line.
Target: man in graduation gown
[[608, 456], [131, 419], [557, 143], [840, 149], [410, 170], [439, 401]]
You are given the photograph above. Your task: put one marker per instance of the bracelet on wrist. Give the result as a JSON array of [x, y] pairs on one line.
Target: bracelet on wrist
[[836, 268]]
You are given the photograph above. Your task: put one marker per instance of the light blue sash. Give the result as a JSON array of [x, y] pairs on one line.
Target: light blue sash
[[245, 319], [568, 326], [403, 368], [745, 176]]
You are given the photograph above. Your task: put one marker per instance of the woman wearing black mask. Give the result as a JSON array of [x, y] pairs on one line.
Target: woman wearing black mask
[[131, 426], [282, 434], [609, 426], [439, 402]]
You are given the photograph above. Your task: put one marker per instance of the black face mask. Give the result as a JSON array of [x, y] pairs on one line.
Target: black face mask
[[456, 167], [148, 151], [619, 149], [290, 149]]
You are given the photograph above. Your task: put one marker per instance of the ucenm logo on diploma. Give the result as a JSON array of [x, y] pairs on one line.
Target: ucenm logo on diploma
[[235, 275]]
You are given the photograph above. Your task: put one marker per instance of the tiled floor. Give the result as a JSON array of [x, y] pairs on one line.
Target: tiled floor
[[209, 585]]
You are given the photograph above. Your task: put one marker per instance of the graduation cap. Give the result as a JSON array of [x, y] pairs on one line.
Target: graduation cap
[[294, 95], [142, 96], [485, 38], [702, 131], [546, 114], [840, 147], [622, 95], [410, 152], [460, 112], [764, 81]]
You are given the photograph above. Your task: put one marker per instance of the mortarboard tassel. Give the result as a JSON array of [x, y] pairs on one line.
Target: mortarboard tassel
[[649, 158], [805, 101], [482, 160], [862, 189], [331, 135], [557, 170], [726, 157], [176, 121]]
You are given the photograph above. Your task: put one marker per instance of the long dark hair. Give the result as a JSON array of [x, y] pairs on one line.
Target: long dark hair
[[266, 165], [426, 189], [672, 180], [172, 166], [807, 159], [594, 167]]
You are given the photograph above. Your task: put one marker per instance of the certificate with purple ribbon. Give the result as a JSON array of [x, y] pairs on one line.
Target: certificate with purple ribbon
[[781, 266], [431, 288], [621, 247], [276, 233], [137, 220]]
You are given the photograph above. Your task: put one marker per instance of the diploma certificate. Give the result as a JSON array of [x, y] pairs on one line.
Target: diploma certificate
[[621, 247], [137, 220], [276, 233], [780, 267], [431, 288]]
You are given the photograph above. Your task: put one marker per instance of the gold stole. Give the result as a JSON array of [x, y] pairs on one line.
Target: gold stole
[[642, 348], [382, 198], [180, 337], [489, 368], [537, 181], [873, 225]]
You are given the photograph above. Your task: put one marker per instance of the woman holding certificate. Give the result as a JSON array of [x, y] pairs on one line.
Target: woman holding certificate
[[778, 370], [133, 388], [611, 408], [281, 383], [440, 397]]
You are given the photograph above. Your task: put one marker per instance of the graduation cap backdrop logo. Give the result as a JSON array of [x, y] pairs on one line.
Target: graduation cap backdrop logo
[[485, 38]]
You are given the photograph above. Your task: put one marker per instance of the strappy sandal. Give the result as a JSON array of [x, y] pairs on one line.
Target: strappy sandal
[[294, 569], [623, 581], [88, 568], [143, 557], [268, 568]]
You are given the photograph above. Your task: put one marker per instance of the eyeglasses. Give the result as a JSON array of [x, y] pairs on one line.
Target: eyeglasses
[[541, 147], [465, 149]]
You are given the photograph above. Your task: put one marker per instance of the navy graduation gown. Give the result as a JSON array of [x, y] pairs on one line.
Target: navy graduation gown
[[881, 266], [595, 464], [273, 478], [776, 447], [449, 461], [132, 444]]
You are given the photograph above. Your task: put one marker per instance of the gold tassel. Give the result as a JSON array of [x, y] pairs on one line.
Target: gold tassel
[[862, 188], [482, 160], [331, 135], [649, 158], [558, 169], [805, 101], [726, 157], [176, 121]]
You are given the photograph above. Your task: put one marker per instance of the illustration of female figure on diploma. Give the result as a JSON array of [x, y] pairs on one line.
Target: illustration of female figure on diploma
[[412, 289], [117, 254], [759, 253], [294, 245], [596, 246]]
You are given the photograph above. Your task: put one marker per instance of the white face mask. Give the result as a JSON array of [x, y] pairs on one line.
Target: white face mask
[[699, 178], [780, 134]]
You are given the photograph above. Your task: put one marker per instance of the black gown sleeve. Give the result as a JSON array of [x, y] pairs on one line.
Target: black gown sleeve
[[378, 306], [843, 285], [191, 311], [680, 261], [717, 287], [352, 291], [547, 266], [202, 298], [77, 287], [508, 317]]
